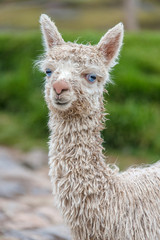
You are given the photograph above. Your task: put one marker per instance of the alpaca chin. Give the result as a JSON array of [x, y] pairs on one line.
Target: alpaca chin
[[64, 102]]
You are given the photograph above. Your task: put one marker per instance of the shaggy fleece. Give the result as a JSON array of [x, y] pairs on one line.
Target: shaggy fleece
[[96, 201]]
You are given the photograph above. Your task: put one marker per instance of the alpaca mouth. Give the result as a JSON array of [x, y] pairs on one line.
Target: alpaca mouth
[[62, 103]]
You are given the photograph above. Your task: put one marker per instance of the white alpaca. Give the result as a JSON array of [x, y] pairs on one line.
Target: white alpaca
[[97, 202]]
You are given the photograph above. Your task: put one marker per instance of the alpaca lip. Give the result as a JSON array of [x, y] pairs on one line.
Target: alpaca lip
[[61, 103]]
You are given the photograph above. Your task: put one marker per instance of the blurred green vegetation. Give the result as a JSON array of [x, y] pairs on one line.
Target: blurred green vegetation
[[23, 114], [133, 101]]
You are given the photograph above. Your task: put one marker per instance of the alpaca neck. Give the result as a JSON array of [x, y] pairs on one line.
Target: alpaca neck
[[77, 167], [77, 140]]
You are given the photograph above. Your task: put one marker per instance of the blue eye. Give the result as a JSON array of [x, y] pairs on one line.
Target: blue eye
[[91, 77], [48, 72]]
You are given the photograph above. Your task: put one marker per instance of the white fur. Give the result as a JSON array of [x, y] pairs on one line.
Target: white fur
[[97, 202]]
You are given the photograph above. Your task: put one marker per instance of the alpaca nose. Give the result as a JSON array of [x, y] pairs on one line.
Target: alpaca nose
[[60, 86]]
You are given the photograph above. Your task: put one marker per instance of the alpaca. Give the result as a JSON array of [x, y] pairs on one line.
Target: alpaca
[[97, 202]]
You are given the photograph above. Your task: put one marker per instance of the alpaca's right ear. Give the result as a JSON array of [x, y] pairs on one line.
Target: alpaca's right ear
[[110, 44], [50, 32]]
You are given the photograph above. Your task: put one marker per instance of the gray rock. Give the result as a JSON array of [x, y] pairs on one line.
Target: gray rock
[[10, 189], [35, 159], [19, 235], [54, 233], [7, 161], [61, 232], [9, 166], [27, 209]]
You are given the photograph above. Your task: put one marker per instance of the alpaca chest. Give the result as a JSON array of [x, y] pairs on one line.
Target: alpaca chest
[[76, 194]]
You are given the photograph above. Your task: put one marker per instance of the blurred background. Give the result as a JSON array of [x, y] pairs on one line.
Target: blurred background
[[133, 129], [132, 134]]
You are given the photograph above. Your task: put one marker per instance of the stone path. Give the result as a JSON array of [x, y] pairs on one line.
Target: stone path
[[27, 209]]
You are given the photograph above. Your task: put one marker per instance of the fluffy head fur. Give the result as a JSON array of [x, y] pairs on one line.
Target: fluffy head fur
[[72, 62], [97, 202]]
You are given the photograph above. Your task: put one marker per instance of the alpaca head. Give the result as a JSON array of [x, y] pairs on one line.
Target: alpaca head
[[76, 74]]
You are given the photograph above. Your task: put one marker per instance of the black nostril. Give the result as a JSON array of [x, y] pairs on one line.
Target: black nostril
[[64, 90]]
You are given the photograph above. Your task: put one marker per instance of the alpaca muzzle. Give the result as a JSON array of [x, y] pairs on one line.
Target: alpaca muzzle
[[60, 86]]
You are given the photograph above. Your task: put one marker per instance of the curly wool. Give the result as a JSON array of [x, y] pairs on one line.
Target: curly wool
[[97, 202]]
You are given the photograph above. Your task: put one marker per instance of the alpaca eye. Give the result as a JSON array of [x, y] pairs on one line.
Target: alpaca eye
[[91, 77], [48, 72]]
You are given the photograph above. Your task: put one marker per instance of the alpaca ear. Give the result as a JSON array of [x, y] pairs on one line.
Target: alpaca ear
[[50, 32], [110, 44]]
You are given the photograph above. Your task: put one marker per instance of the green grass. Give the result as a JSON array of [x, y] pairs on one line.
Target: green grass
[[133, 101]]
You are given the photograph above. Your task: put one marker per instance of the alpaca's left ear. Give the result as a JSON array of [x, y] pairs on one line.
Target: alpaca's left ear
[[110, 44]]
